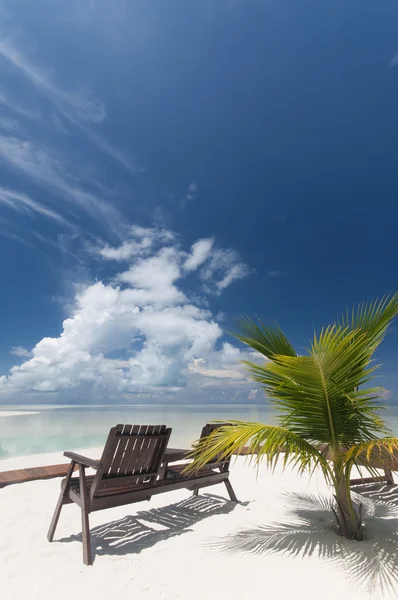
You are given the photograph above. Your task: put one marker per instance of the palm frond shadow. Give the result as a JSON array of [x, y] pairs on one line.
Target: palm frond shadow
[[371, 564], [132, 534]]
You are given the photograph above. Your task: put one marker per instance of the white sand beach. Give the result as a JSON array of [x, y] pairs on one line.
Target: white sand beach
[[180, 547]]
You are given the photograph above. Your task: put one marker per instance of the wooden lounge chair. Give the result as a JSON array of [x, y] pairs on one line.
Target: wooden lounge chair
[[217, 463], [133, 467]]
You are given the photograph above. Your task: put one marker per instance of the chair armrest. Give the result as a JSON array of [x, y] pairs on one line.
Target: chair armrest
[[83, 460]]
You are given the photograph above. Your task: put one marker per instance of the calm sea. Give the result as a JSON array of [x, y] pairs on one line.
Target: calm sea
[[54, 429]]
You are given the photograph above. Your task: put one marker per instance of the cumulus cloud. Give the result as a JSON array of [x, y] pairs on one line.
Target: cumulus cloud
[[141, 242], [224, 364], [223, 268], [153, 278], [218, 268], [20, 351], [140, 333], [253, 394], [200, 252]]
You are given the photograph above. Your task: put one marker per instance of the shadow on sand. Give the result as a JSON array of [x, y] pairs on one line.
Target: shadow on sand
[[132, 534], [371, 564]]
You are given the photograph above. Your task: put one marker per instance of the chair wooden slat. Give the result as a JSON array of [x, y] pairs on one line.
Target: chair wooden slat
[[132, 455], [122, 444], [109, 450], [146, 444], [152, 450]]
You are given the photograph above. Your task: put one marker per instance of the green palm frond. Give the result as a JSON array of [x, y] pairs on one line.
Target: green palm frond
[[269, 341], [372, 319], [262, 442], [373, 454], [321, 396]]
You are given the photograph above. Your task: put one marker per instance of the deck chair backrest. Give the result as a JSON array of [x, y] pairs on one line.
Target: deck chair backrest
[[223, 464], [132, 455]]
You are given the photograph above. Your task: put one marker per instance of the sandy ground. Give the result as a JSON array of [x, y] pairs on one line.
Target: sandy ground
[[277, 542]]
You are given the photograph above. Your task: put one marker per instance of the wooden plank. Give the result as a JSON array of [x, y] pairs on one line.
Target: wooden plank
[[175, 454], [375, 479], [124, 466], [145, 445], [124, 480], [134, 453], [121, 449], [111, 449], [33, 474], [160, 487]]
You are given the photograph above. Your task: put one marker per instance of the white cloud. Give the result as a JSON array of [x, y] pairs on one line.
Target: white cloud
[[77, 107], [146, 336], [142, 241], [394, 60], [225, 364], [35, 162], [153, 278], [219, 267], [13, 106], [20, 201], [200, 252], [58, 122], [223, 268], [126, 251], [20, 351], [8, 124], [191, 194], [253, 394], [83, 103], [274, 273], [13, 236]]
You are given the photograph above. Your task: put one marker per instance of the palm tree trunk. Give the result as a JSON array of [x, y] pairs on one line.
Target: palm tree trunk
[[348, 520]]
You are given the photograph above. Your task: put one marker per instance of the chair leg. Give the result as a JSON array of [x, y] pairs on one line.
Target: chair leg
[[195, 492], [230, 490], [58, 507], [389, 476], [87, 558]]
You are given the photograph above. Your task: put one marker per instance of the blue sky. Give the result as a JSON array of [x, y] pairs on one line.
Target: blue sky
[[166, 165]]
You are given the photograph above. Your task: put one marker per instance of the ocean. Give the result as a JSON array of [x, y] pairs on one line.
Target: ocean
[[41, 429], [58, 428]]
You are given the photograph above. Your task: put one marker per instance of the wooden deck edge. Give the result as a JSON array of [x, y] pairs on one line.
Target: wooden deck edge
[[33, 474], [60, 470]]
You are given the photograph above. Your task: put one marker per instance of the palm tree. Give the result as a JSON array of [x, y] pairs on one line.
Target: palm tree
[[328, 416]]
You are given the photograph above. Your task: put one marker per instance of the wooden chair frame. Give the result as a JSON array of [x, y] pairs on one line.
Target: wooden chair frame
[[132, 468]]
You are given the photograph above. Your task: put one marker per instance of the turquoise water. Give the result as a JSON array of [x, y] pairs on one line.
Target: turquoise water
[[56, 429]]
